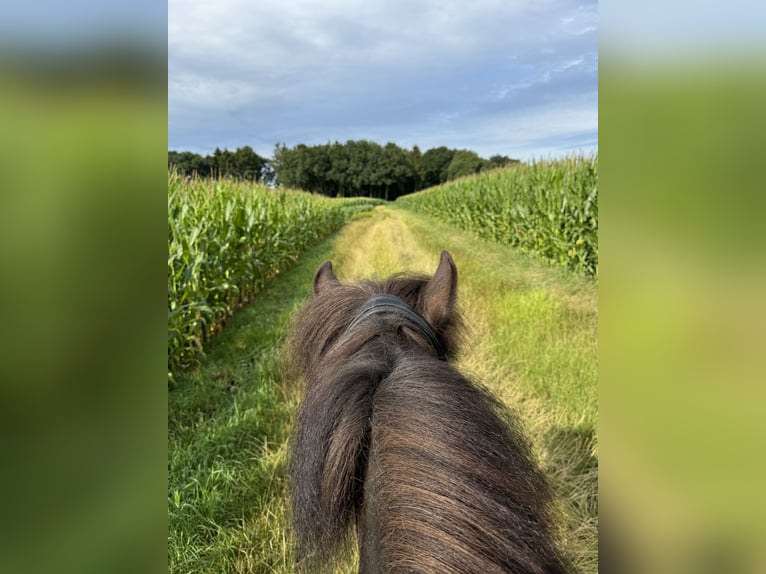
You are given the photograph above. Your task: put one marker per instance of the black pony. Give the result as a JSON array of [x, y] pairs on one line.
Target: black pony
[[391, 439]]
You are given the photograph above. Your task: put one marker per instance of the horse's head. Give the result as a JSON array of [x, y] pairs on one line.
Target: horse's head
[[433, 299], [391, 438], [428, 308]]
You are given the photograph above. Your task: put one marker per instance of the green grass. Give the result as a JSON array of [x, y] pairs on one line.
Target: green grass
[[227, 427], [532, 340]]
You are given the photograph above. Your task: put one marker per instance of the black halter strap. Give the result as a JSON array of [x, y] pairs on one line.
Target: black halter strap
[[383, 304]]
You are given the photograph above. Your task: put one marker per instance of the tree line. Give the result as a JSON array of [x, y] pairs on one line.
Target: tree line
[[243, 163], [356, 168]]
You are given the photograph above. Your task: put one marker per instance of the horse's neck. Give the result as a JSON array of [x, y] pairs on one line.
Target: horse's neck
[[367, 531]]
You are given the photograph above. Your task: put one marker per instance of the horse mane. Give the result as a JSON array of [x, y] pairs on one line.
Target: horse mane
[[428, 463]]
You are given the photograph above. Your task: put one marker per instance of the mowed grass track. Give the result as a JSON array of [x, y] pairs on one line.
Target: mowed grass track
[[532, 340]]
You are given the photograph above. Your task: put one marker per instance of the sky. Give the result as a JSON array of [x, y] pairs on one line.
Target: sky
[[511, 77], [515, 77]]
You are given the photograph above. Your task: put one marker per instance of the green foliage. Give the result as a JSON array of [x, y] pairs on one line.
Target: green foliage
[[498, 160], [357, 168], [243, 163], [546, 207], [365, 168], [434, 164], [354, 169], [464, 162], [225, 239]]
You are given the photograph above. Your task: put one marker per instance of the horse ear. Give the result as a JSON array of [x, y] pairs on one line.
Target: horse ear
[[324, 278], [440, 292]]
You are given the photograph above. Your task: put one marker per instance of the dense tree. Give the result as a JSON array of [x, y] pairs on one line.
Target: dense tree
[[399, 174], [243, 163], [415, 157], [247, 164], [434, 164], [464, 162], [355, 168], [189, 163], [496, 161], [338, 180]]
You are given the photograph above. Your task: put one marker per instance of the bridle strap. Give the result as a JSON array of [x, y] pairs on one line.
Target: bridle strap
[[390, 304]]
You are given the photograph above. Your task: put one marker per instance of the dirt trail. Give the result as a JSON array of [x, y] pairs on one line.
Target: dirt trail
[[380, 245]]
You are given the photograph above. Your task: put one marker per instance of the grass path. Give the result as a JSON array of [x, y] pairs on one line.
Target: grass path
[[532, 340]]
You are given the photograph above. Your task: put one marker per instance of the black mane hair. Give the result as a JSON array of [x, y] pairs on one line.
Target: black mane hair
[[427, 466]]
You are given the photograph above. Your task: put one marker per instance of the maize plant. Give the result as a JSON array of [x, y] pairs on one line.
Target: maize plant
[[225, 240], [549, 208]]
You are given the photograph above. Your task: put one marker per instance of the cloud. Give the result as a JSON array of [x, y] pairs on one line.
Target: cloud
[[297, 71]]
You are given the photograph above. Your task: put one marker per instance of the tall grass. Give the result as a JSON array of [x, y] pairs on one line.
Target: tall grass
[[225, 239], [546, 207]]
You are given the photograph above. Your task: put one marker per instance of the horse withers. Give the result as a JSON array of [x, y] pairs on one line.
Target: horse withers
[[392, 443]]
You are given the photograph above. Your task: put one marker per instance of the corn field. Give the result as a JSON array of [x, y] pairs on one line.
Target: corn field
[[225, 239], [547, 207]]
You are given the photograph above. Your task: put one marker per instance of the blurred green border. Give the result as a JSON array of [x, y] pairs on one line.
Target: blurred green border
[[682, 310], [83, 151]]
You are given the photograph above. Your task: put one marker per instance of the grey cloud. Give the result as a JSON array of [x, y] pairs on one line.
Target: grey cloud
[[256, 73]]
